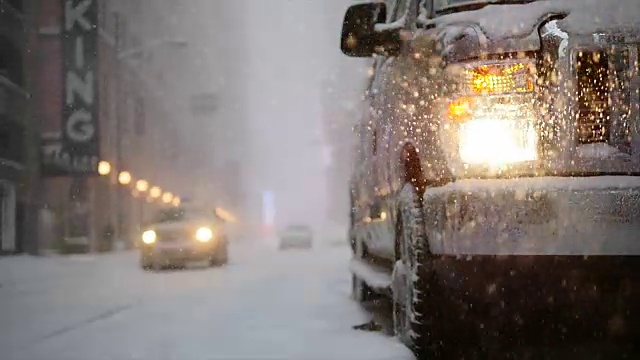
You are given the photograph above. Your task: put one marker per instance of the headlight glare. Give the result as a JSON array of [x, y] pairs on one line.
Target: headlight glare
[[204, 234], [497, 142], [149, 237]]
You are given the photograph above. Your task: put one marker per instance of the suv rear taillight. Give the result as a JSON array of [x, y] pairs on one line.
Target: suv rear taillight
[[604, 80], [594, 110]]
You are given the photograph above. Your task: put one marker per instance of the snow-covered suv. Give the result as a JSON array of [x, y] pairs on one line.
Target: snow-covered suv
[[499, 174]]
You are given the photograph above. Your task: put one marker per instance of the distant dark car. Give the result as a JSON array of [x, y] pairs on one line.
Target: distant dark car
[[296, 237], [182, 235]]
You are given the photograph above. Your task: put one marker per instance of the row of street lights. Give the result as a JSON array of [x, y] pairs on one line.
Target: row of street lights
[[141, 186]]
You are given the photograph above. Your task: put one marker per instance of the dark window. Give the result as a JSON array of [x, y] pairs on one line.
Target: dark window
[[10, 61], [427, 5], [11, 139], [400, 9], [16, 4]]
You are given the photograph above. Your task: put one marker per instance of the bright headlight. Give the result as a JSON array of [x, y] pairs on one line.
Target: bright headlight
[[204, 234], [497, 142], [149, 237]]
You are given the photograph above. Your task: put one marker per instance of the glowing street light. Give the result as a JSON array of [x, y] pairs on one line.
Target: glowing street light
[[167, 197], [155, 192], [104, 168], [124, 178], [142, 185], [176, 201]]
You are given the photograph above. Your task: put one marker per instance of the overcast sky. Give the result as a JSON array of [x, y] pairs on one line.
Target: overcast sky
[[269, 59]]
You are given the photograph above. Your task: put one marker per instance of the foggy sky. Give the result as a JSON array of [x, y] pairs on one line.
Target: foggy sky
[[268, 60]]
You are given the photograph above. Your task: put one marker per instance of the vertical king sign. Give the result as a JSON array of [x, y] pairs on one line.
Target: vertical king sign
[[75, 152]]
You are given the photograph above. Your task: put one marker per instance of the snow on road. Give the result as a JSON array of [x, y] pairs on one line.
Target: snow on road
[[263, 305]]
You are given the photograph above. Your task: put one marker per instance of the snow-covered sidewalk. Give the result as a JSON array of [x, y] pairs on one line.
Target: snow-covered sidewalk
[[264, 305]]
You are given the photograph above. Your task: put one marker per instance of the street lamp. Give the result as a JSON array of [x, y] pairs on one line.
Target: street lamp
[[104, 168], [142, 185], [155, 192], [121, 55], [167, 197], [176, 201], [124, 178]]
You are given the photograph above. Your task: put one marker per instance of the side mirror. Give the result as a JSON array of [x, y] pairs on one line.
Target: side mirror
[[360, 38]]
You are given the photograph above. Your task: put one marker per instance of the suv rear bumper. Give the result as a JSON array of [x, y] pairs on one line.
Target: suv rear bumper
[[535, 216], [550, 297]]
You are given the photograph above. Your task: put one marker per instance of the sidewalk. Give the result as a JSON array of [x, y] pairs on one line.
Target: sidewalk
[[19, 270], [42, 294]]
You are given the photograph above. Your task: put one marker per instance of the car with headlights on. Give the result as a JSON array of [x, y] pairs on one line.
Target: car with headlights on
[[296, 237], [496, 180], [182, 234]]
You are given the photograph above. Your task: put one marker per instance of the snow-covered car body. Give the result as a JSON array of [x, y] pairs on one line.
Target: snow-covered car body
[[518, 127], [181, 235], [296, 237]]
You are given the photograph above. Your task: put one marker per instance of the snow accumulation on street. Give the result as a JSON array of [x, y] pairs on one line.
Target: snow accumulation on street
[[264, 305]]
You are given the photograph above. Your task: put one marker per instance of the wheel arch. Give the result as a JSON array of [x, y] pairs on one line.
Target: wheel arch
[[410, 166]]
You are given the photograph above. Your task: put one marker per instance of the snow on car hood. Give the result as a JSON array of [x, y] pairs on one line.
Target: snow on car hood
[[177, 225], [514, 27]]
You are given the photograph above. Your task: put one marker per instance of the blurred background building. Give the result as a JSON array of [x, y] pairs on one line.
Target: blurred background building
[[168, 115], [138, 118], [190, 99], [18, 129]]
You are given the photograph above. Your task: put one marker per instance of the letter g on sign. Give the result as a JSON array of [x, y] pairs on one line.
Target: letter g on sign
[[79, 127]]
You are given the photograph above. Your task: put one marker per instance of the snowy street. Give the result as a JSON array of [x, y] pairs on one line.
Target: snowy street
[[263, 304]]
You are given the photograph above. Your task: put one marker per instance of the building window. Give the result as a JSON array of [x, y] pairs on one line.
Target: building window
[[16, 4], [3, 100]]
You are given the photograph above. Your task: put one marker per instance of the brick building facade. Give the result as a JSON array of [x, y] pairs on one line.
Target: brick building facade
[[78, 213]]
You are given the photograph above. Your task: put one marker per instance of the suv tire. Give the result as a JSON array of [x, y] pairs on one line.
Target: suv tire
[[418, 307]]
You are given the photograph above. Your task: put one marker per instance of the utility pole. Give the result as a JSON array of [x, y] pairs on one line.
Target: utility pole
[[117, 109], [120, 55]]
